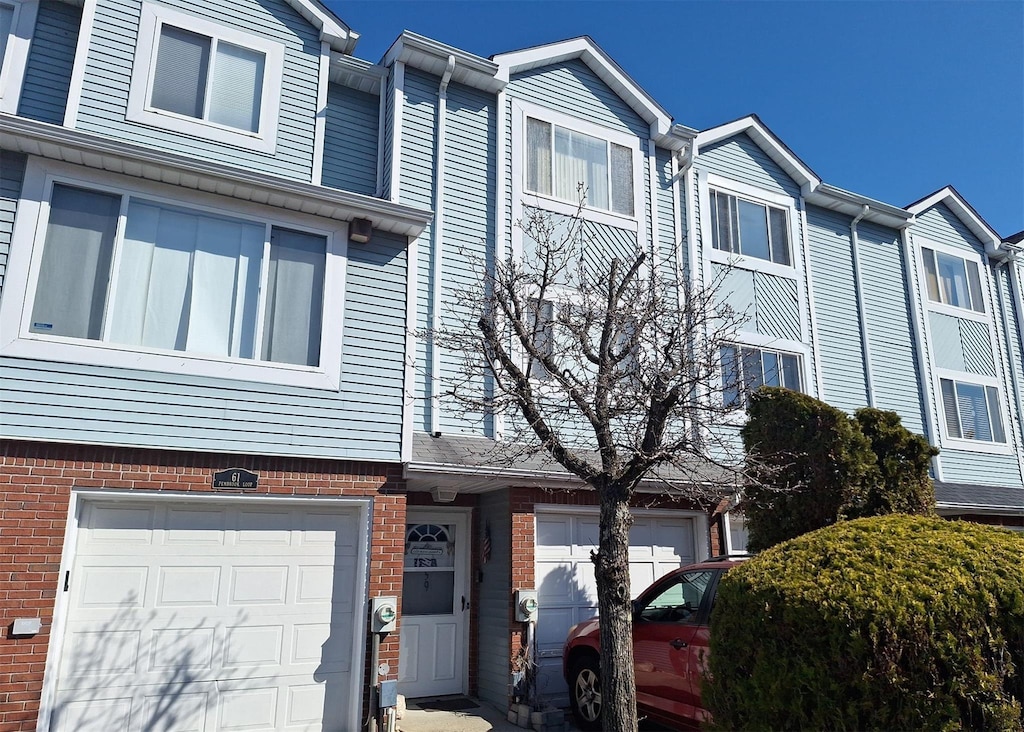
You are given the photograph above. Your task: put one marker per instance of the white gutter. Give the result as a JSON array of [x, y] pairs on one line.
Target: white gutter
[[858, 286], [438, 242], [1011, 270], [914, 290], [498, 419]]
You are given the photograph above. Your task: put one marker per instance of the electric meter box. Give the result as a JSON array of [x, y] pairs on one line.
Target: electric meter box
[[526, 605], [383, 614]]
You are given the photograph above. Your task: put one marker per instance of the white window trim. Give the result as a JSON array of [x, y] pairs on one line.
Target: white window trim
[[23, 272], [521, 197], [959, 443], [727, 524], [967, 256], [153, 16], [756, 195], [15, 60], [745, 339]]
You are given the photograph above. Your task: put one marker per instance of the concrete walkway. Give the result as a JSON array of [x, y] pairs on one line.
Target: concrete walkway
[[484, 718]]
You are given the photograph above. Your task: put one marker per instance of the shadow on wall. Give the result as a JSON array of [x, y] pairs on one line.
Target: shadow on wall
[[170, 675], [564, 599]]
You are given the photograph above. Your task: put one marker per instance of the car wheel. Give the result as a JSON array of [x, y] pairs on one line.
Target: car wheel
[[585, 694]]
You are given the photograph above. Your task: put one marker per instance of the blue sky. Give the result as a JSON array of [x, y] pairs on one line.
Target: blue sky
[[892, 100]]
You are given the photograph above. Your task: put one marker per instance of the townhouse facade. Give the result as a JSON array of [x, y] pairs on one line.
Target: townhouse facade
[[220, 234]]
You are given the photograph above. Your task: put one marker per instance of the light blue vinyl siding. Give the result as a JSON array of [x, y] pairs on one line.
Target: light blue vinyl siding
[[389, 133], [739, 158], [105, 406], [666, 237], [939, 224], [766, 303], [947, 348], [350, 140], [894, 373], [963, 466], [570, 87], [835, 306], [468, 209], [12, 170], [493, 597], [1015, 353], [51, 58], [108, 75]]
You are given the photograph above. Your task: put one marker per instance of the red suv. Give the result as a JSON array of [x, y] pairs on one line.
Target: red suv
[[670, 645]]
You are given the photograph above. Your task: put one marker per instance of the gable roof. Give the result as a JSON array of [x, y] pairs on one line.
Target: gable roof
[[663, 130], [769, 142], [963, 211], [432, 57], [340, 37]]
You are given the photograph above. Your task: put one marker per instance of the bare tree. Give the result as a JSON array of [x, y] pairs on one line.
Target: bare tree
[[608, 363]]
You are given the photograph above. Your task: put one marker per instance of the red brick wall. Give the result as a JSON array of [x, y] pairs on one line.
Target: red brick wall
[[35, 486]]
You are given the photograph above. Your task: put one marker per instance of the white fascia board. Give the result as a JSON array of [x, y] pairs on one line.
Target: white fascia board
[[601, 64], [340, 37], [767, 141], [956, 203], [60, 143], [356, 74], [431, 56], [852, 204]]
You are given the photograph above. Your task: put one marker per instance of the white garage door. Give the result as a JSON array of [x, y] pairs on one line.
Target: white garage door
[[567, 593], [202, 617]]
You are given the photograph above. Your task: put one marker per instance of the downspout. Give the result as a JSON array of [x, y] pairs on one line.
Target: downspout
[[858, 286], [1015, 294], [913, 291], [438, 245], [382, 110]]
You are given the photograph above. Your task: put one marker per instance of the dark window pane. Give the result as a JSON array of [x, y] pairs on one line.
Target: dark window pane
[[753, 230], [179, 81], [949, 408], [931, 275], [730, 377], [974, 283], [993, 412], [295, 295], [780, 236]]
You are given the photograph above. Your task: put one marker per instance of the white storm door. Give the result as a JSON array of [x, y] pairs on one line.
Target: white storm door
[[435, 605]]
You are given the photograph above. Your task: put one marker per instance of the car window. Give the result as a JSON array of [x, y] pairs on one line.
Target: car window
[[679, 601]]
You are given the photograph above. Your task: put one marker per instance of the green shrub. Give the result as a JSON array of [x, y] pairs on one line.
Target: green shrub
[[891, 622], [903, 460]]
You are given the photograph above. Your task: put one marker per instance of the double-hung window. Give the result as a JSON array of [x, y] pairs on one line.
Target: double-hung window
[[17, 23], [972, 411], [953, 280], [559, 161], [749, 228], [746, 369], [194, 76]]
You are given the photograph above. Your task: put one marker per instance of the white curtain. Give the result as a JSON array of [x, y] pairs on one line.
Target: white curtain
[[72, 288], [538, 156], [293, 319], [187, 282], [581, 159], [622, 179], [237, 87]]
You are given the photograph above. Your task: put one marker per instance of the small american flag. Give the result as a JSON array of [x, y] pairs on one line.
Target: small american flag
[[485, 545]]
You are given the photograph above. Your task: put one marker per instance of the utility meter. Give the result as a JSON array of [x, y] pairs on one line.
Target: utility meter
[[384, 614], [526, 605]]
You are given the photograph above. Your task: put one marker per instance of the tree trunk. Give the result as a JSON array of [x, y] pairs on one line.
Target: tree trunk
[[618, 680]]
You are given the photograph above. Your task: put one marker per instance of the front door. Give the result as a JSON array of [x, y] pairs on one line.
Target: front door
[[435, 604]]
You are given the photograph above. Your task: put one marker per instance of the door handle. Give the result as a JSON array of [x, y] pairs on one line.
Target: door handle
[[463, 603], [678, 644]]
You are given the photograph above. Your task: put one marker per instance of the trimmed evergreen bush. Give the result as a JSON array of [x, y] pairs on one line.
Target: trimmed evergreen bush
[[903, 459], [884, 623]]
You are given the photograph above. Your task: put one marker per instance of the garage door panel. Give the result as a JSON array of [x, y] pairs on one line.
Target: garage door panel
[[552, 531], [246, 631]]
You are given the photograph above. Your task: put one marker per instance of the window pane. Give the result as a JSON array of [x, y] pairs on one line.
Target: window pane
[[72, 289], [730, 377], [953, 280], [187, 281], [724, 207], [993, 412], [237, 87], [770, 366], [780, 236], [179, 81], [6, 19], [973, 412], [580, 159], [753, 378], [622, 180], [538, 156], [295, 293], [791, 372], [541, 319], [949, 408], [974, 280], [931, 275], [753, 230]]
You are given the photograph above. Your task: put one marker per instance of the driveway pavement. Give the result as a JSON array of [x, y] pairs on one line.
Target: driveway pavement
[[483, 718]]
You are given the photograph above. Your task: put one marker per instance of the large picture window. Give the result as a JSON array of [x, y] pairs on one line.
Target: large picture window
[[746, 369], [194, 76], [953, 280], [127, 270], [749, 228], [972, 411], [560, 160]]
